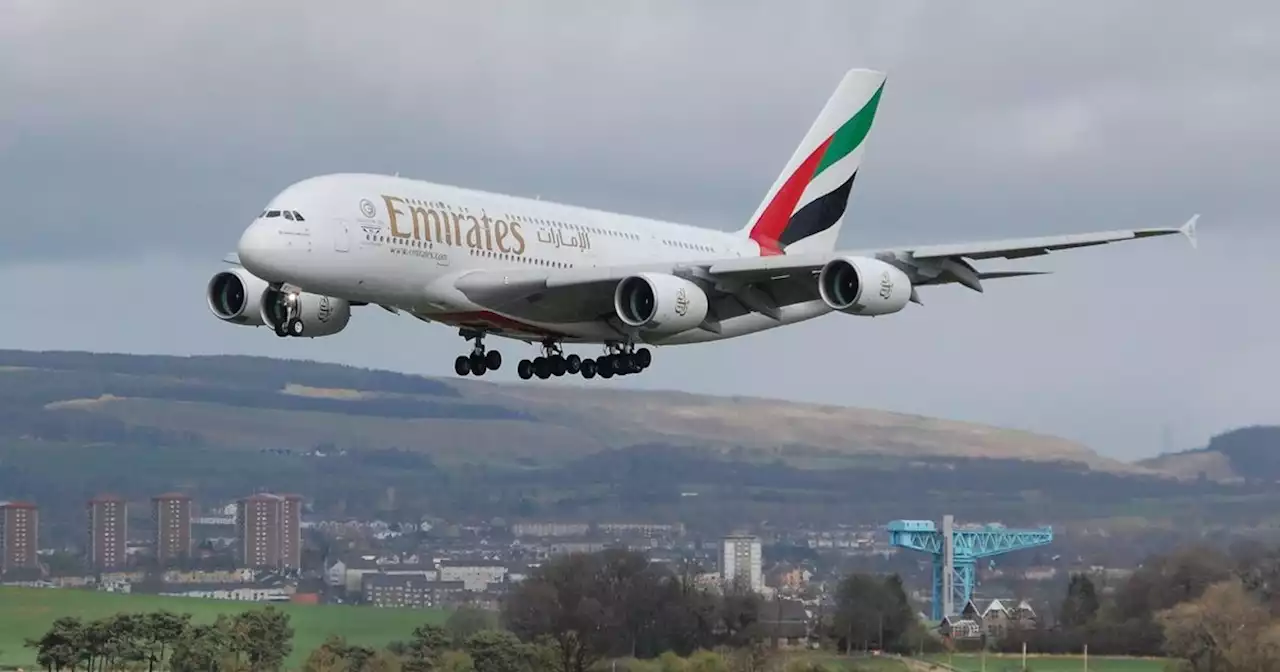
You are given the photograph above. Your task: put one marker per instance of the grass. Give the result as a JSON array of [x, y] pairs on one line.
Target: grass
[[28, 612], [1013, 663]]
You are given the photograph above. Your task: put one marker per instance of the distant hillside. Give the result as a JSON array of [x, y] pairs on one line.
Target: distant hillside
[[367, 444], [1249, 454], [252, 403]]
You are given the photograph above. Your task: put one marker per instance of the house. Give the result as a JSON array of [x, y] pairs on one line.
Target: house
[[960, 627], [1002, 616], [410, 591], [787, 622]]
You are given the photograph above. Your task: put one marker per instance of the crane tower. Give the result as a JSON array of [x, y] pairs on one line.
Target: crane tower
[[956, 552]]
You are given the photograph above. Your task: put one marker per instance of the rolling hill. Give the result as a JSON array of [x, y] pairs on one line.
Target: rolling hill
[[252, 403], [358, 442], [1248, 454]]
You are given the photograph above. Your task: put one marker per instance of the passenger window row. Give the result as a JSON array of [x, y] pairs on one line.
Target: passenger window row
[[576, 227], [689, 246]]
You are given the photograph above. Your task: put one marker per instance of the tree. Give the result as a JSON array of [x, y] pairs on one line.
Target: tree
[[60, 647], [330, 656], [1167, 580], [871, 609], [1224, 630], [264, 637], [1080, 607], [203, 648], [336, 655], [496, 651], [560, 601], [425, 648], [617, 603], [162, 630], [467, 621]]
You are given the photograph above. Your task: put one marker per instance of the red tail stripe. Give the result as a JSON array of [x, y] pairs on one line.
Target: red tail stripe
[[773, 221]]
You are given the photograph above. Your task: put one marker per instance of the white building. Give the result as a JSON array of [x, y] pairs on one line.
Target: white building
[[476, 576], [741, 564]]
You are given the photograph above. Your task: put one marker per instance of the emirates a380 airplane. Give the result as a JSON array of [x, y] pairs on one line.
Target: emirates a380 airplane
[[553, 275]]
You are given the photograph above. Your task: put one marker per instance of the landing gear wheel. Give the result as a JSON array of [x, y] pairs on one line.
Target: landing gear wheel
[[588, 368], [477, 364], [493, 360], [281, 331], [525, 369], [462, 365], [643, 357], [542, 368], [573, 364], [622, 365], [558, 365], [295, 327], [605, 370]]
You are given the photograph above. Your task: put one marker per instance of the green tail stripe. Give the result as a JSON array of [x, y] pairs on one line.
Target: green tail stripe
[[851, 134]]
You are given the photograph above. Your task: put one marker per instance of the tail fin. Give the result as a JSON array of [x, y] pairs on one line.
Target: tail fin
[[803, 209]]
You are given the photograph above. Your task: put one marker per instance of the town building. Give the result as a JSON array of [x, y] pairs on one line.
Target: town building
[[269, 530], [741, 564], [108, 531], [19, 536], [171, 513]]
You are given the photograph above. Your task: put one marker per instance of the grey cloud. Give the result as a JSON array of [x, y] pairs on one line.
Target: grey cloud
[[137, 139]]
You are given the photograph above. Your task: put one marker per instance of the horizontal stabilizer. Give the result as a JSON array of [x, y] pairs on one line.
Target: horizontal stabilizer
[[1189, 230]]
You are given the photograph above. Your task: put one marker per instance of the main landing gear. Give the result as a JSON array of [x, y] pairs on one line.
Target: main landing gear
[[619, 361], [290, 312], [480, 360]]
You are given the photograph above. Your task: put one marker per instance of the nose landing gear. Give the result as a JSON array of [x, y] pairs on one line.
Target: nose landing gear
[[289, 311], [480, 360]]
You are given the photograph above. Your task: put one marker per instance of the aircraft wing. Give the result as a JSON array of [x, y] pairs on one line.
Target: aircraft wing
[[763, 284]]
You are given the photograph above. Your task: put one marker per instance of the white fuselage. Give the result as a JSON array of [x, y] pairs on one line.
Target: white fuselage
[[400, 243]]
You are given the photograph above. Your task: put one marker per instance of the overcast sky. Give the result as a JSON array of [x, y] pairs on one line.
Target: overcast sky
[[137, 139]]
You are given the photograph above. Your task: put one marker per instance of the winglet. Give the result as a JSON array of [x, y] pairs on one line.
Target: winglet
[[1189, 229]]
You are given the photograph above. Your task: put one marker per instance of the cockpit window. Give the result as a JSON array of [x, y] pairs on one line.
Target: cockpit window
[[273, 213], [288, 215], [298, 216]]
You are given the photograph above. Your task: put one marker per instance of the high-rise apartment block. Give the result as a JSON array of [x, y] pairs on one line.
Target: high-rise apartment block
[[270, 530], [108, 531], [19, 536], [741, 565], [171, 514]]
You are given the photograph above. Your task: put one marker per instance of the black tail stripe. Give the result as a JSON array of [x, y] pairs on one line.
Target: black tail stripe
[[819, 215]]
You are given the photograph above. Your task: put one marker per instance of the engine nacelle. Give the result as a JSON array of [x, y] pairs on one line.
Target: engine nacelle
[[659, 303], [321, 315], [863, 286], [235, 296]]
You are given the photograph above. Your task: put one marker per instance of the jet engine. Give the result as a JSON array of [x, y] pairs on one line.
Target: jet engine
[[321, 315], [863, 286], [659, 303], [235, 296]]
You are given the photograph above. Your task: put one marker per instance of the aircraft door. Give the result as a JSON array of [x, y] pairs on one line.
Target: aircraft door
[[341, 236]]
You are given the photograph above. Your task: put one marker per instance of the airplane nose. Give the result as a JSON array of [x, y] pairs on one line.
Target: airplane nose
[[256, 247]]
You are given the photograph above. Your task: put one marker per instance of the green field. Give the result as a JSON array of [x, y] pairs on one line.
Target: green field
[[27, 613], [1012, 663]]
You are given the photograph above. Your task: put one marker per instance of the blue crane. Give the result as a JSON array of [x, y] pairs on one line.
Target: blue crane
[[956, 553]]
